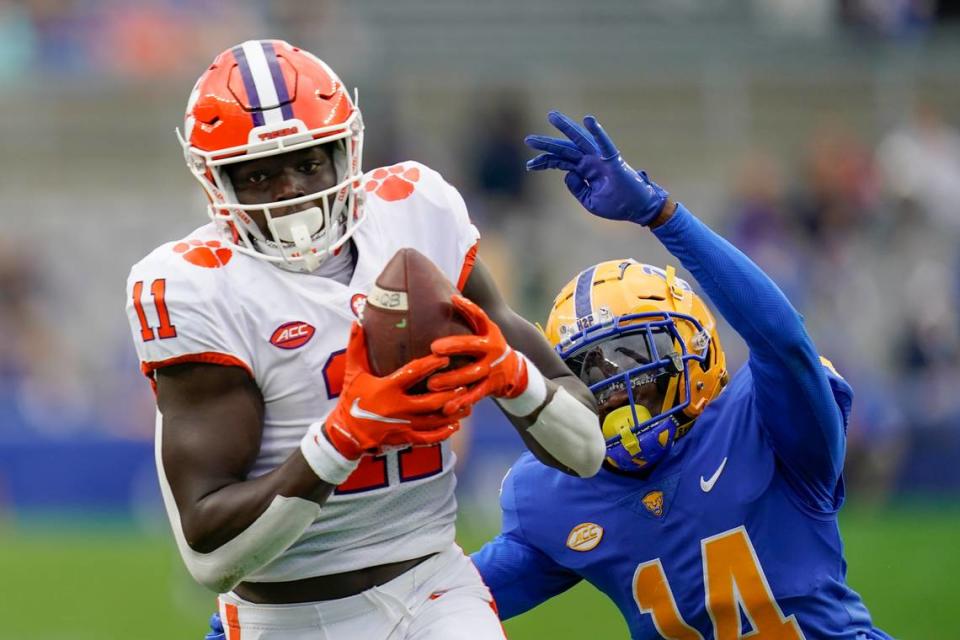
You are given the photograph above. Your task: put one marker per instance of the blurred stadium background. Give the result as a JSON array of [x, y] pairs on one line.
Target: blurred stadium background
[[819, 135]]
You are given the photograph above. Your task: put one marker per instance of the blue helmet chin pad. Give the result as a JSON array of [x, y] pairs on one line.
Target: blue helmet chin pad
[[651, 451]]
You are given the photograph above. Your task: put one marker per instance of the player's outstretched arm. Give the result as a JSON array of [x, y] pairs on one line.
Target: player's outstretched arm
[[794, 398], [520, 576], [552, 410], [228, 525]]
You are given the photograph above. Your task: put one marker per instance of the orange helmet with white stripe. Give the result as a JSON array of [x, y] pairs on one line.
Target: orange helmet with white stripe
[[648, 348], [262, 98]]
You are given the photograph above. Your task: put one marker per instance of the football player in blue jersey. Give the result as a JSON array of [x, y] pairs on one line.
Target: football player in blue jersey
[[715, 515]]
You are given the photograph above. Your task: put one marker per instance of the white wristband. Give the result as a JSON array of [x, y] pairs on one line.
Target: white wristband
[[532, 397], [330, 465]]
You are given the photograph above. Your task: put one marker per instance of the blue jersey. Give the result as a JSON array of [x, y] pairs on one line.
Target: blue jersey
[[735, 531]]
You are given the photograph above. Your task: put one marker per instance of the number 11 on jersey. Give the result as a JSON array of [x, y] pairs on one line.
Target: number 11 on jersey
[[158, 289]]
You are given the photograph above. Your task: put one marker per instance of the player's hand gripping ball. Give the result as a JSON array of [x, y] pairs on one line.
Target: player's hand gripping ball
[[374, 412], [498, 370]]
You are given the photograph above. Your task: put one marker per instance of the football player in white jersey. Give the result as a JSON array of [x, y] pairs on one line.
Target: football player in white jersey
[[286, 466]]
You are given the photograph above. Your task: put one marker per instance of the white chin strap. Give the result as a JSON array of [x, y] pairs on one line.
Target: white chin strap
[[298, 229]]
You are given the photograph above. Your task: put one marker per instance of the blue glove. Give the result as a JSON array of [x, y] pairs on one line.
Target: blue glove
[[216, 629], [596, 174]]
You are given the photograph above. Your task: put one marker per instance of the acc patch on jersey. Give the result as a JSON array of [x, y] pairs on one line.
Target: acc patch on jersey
[[292, 335], [585, 536]]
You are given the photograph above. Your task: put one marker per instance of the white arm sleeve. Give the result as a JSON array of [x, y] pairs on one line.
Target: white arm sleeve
[[570, 432], [270, 535], [566, 428]]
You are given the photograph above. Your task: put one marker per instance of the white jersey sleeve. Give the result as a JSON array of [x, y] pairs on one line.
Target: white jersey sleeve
[[178, 310], [429, 214]]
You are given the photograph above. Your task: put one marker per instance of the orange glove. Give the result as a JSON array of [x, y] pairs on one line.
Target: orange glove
[[497, 371], [374, 412]]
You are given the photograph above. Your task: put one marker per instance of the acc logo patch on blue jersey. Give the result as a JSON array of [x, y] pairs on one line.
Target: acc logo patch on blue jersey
[[585, 536]]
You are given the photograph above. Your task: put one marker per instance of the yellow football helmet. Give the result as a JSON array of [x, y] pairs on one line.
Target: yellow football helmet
[[631, 331]]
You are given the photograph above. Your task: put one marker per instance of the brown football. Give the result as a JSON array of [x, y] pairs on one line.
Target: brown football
[[406, 310]]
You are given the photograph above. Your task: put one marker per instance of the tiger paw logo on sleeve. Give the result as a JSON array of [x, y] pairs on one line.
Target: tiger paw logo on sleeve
[[395, 183], [585, 536], [209, 254]]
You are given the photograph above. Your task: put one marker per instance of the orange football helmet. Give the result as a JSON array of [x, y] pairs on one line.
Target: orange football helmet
[[266, 97], [621, 325]]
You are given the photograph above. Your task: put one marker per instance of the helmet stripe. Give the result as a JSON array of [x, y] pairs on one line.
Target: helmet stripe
[[252, 96], [583, 293], [263, 82], [279, 83]]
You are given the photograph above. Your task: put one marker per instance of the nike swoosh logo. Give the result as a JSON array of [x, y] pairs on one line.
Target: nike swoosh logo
[[363, 414], [707, 485]]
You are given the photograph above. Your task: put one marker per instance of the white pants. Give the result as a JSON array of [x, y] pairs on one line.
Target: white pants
[[442, 598]]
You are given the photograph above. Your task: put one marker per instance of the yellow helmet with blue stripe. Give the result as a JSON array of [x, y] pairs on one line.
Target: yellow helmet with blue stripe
[[648, 348]]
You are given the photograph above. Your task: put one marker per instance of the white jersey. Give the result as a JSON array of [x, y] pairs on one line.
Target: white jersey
[[196, 300]]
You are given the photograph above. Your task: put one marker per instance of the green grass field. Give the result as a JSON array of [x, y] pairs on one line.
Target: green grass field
[[68, 582]]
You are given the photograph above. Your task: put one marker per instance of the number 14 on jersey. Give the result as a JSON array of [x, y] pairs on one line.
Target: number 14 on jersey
[[733, 580]]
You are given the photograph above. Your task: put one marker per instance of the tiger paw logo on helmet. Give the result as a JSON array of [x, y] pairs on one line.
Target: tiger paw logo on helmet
[[395, 183], [209, 255]]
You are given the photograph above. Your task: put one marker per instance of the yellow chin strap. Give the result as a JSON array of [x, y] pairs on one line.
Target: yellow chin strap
[[619, 422], [671, 393]]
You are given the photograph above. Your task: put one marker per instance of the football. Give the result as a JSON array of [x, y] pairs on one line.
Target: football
[[406, 310]]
